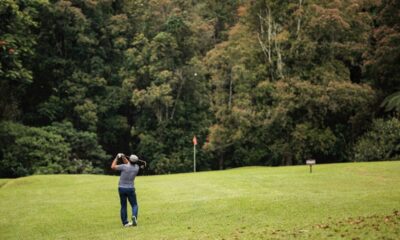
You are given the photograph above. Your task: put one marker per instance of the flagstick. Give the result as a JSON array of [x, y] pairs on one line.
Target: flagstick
[[194, 152], [194, 157]]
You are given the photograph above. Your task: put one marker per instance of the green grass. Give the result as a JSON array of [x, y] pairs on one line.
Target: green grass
[[3, 181], [349, 201]]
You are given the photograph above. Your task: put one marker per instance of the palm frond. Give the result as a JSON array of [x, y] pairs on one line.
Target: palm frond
[[392, 102]]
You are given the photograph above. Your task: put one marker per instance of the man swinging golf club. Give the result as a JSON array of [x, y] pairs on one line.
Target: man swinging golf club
[[126, 188]]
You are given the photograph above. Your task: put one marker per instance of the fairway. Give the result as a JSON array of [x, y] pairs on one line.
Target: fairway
[[349, 201]]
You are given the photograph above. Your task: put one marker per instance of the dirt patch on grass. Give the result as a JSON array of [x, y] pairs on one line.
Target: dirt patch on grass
[[362, 227]]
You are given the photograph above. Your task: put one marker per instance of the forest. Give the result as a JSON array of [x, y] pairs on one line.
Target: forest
[[258, 82]]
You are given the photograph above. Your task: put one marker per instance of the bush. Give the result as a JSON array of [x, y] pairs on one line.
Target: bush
[[29, 150], [87, 156], [165, 165], [54, 149], [309, 142], [382, 142]]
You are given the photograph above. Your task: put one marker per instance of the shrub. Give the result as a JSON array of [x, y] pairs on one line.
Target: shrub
[[29, 150], [87, 156], [382, 142], [165, 165], [54, 149]]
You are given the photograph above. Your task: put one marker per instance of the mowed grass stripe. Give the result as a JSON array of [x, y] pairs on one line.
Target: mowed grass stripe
[[3, 181], [244, 203]]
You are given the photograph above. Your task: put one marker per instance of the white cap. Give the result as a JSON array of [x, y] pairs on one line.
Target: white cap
[[133, 158]]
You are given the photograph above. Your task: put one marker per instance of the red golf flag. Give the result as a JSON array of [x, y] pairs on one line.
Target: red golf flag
[[194, 140]]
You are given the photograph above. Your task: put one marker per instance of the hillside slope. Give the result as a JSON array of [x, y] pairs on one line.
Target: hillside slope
[[336, 200]]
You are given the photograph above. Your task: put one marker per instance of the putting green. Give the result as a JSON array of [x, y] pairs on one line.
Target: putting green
[[350, 200]]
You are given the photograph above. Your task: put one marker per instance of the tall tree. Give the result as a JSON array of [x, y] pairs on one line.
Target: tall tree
[[17, 42], [383, 57]]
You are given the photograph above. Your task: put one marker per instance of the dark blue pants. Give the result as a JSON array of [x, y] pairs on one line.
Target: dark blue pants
[[128, 193]]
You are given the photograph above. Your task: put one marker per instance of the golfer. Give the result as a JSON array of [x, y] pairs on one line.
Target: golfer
[[126, 187]]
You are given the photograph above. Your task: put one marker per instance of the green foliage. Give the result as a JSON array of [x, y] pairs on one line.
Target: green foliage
[[87, 115], [291, 91], [381, 142], [17, 41], [154, 97], [259, 82], [309, 142], [164, 51], [382, 57], [86, 155], [28, 150], [302, 116], [54, 149], [392, 102], [114, 133], [165, 165]]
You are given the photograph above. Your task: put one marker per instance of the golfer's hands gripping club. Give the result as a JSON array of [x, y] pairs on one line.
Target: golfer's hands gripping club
[[145, 164]]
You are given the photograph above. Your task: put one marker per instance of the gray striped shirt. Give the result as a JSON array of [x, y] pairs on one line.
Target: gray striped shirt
[[128, 174]]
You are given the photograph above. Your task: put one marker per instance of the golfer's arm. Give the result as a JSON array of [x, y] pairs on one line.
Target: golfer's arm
[[114, 164]]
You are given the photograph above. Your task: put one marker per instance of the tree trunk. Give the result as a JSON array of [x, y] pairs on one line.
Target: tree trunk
[[221, 162], [159, 113], [182, 81], [299, 19], [260, 37], [269, 34], [267, 47], [230, 91], [279, 62]]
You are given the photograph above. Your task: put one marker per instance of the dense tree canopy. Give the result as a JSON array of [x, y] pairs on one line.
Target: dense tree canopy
[[259, 82]]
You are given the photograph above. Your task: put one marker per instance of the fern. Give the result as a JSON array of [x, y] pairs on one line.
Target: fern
[[392, 102]]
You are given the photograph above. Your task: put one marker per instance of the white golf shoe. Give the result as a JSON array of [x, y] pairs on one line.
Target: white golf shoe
[[129, 224]]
